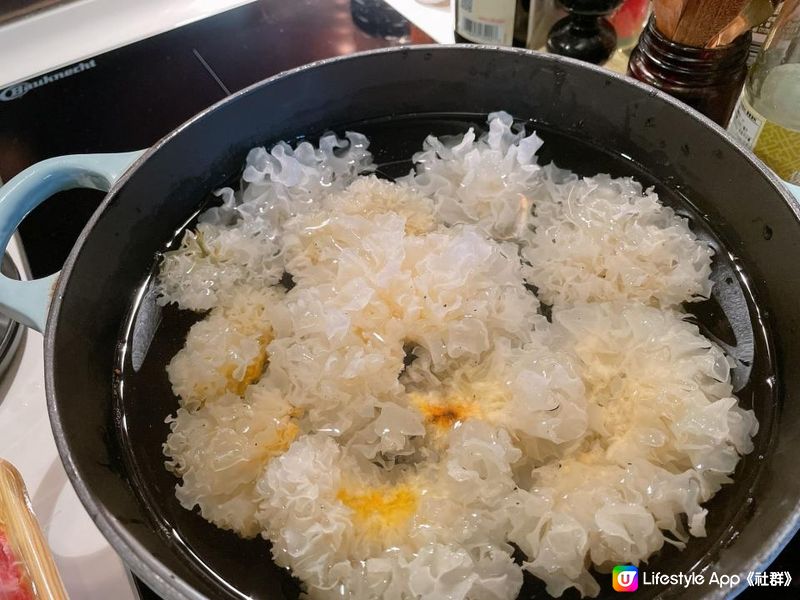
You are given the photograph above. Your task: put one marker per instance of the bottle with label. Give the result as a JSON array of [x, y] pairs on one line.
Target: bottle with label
[[760, 33], [767, 118], [499, 22]]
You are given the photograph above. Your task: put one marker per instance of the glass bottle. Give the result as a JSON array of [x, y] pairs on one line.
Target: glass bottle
[[761, 32], [541, 17], [629, 20], [501, 22], [767, 118], [707, 79]]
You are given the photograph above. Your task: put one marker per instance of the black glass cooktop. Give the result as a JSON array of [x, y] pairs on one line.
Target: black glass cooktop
[[128, 98]]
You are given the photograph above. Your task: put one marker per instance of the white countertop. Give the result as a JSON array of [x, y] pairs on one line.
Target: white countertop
[[434, 19]]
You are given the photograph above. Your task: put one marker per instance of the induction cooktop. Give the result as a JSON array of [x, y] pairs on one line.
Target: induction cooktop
[[128, 98]]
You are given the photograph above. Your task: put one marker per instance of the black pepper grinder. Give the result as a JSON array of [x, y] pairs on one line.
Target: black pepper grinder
[[585, 33]]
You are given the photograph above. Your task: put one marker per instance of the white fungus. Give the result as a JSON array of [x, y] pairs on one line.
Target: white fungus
[[598, 239], [374, 388]]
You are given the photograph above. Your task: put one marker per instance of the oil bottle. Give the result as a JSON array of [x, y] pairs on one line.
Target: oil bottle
[[767, 117]]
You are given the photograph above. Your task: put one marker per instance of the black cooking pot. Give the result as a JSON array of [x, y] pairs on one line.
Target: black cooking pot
[[106, 341]]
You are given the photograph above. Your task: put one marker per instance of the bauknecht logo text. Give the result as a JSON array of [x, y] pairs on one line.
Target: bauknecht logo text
[[18, 90]]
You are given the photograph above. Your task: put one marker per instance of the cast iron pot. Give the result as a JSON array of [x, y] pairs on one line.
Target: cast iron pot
[[106, 342]]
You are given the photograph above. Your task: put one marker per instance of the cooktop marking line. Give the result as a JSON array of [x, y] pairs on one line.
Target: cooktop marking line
[[208, 68]]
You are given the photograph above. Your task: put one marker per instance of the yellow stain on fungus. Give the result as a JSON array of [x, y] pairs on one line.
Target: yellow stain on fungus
[[254, 369], [284, 436], [380, 511], [446, 411], [297, 412]]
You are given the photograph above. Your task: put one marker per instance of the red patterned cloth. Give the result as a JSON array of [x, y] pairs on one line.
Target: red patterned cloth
[[13, 583]]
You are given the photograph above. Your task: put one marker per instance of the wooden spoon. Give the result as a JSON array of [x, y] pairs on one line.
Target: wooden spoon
[[701, 20], [753, 14], [667, 14]]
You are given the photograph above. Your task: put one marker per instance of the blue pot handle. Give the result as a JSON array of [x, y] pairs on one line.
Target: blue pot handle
[[29, 301], [794, 189]]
